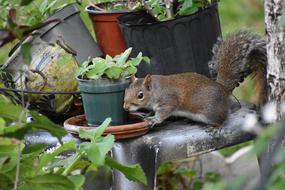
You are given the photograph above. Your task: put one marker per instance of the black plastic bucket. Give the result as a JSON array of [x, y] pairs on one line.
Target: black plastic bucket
[[175, 46]]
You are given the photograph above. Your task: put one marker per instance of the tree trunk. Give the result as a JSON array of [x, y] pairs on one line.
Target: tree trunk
[[275, 30]]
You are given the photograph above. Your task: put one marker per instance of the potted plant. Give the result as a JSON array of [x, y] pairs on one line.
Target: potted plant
[[52, 21], [102, 82], [178, 35], [103, 14], [53, 40]]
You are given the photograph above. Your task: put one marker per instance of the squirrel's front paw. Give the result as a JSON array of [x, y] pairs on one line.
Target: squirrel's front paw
[[153, 121]]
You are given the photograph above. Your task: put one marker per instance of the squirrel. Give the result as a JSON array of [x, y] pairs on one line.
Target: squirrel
[[197, 97]]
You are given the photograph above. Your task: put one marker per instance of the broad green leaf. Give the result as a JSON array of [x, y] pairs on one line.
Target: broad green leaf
[[48, 182], [26, 52], [122, 58], [5, 182], [97, 71], [137, 60], [34, 148], [131, 70], [9, 110], [109, 59], [94, 134], [132, 172], [9, 148], [77, 180], [96, 151], [146, 59], [47, 157], [42, 122], [16, 131], [114, 72], [98, 60], [164, 168]]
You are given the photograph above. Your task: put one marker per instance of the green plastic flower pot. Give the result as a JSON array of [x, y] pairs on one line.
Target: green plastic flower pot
[[103, 98]]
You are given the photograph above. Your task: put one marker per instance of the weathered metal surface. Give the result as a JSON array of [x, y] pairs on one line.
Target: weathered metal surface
[[176, 140], [172, 141]]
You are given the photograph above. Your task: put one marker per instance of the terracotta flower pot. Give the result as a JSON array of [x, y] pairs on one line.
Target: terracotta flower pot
[[107, 30]]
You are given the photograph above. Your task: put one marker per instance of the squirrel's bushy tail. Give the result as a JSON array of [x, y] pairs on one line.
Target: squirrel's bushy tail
[[236, 57]]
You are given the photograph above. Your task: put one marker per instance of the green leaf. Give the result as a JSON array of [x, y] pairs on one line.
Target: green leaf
[[46, 158], [77, 180], [97, 71], [42, 122], [94, 134], [9, 110], [131, 70], [25, 2], [96, 151], [6, 182], [164, 168], [48, 182], [146, 59], [132, 172], [114, 72], [9, 148], [16, 131], [137, 60], [26, 52], [34, 148], [122, 58]]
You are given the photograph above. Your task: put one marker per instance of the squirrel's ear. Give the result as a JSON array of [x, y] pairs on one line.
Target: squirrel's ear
[[133, 78], [147, 82]]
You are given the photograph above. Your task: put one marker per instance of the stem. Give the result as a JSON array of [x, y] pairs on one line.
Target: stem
[[19, 145], [169, 9]]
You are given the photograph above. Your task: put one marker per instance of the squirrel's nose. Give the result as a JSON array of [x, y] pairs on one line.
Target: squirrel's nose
[[126, 107]]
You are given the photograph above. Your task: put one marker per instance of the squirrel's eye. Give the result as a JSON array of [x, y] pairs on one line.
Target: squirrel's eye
[[140, 95]]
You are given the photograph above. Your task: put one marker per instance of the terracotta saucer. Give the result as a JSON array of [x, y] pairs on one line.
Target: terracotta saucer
[[136, 128]]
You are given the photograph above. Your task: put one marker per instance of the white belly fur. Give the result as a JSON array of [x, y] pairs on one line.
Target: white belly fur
[[192, 116]]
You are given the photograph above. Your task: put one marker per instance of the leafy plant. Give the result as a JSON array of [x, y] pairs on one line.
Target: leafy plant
[[111, 67], [19, 18], [168, 9], [107, 5], [31, 167]]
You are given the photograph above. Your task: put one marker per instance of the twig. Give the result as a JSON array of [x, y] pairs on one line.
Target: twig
[[95, 6], [19, 145], [169, 9], [39, 92]]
